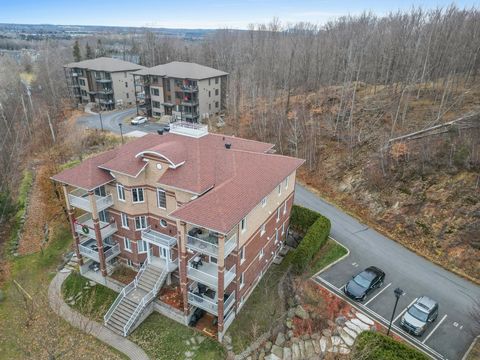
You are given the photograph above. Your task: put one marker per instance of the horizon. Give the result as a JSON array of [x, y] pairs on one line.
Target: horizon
[[234, 14]]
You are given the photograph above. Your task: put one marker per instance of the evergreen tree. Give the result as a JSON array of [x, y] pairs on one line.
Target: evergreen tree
[[100, 49], [77, 56], [88, 52]]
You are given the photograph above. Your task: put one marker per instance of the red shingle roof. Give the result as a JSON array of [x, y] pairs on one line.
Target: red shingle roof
[[232, 180]]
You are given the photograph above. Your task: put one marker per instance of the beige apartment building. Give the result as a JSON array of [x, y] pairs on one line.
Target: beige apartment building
[[204, 213], [105, 81], [187, 91]]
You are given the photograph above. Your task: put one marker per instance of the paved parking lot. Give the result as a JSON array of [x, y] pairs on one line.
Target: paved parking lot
[[447, 338]]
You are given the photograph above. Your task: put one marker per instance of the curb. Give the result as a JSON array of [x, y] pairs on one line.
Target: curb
[[335, 262]]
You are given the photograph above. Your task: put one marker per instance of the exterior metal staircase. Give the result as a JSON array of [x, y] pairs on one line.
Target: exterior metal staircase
[[129, 305]]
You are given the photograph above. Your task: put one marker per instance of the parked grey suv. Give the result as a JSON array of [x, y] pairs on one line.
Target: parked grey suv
[[419, 315]]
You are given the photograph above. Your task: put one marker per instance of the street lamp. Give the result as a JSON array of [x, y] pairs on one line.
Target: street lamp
[[101, 122], [121, 132], [398, 292]]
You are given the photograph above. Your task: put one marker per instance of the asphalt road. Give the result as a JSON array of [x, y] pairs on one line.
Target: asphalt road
[[448, 337], [412, 273]]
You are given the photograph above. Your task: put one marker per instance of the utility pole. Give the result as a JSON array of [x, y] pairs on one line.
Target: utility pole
[[398, 292], [101, 122]]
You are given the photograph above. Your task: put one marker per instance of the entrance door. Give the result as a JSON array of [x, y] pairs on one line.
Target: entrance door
[[165, 253]]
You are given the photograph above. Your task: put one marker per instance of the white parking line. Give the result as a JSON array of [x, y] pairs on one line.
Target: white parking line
[[385, 288], [398, 316], [435, 328]]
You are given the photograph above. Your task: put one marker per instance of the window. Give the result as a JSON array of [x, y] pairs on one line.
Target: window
[[126, 84], [286, 183], [82, 82], [279, 189], [209, 106], [120, 192], [216, 104], [156, 104], [242, 280], [124, 220], [285, 207], [140, 222], [213, 260], [283, 228], [155, 91], [242, 255], [264, 201], [216, 92], [276, 236], [216, 80], [163, 223], [243, 224], [278, 213], [127, 244], [137, 195], [261, 254], [209, 82], [142, 246], [161, 199], [125, 74], [128, 95], [103, 216], [262, 230], [129, 263]]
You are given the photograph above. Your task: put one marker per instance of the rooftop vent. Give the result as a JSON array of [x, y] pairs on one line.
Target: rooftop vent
[[160, 131], [228, 146]]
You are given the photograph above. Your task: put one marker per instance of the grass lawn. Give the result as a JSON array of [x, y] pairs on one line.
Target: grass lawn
[[34, 273], [329, 253], [475, 352], [165, 339], [159, 336]]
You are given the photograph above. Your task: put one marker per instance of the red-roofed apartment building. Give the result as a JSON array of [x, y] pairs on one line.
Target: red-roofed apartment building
[[202, 211]]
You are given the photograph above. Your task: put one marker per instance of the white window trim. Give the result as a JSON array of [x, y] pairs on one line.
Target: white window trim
[[285, 207], [125, 242], [264, 202], [243, 257], [126, 217], [286, 182], [242, 280], [162, 224], [244, 221], [138, 247], [279, 189], [143, 195], [118, 193], [276, 236], [283, 228], [278, 213], [158, 202], [135, 220], [263, 230], [262, 254]]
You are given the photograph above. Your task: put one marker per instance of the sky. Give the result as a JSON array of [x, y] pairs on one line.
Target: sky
[[195, 14]]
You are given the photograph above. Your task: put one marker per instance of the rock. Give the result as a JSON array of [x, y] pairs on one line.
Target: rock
[[289, 324], [336, 340], [280, 339], [92, 283], [323, 344], [261, 356], [291, 302], [301, 312], [192, 340], [350, 332], [301, 344], [287, 353], [341, 320], [343, 350], [272, 357], [361, 324], [326, 332], [365, 319], [316, 346], [268, 345], [277, 351], [295, 352], [330, 323], [290, 313], [64, 271], [295, 339], [290, 334], [316, 336], [334, 349], [187, 342], [309, 349], [353, 327], [201, 339], [347, 339], [305, 337]]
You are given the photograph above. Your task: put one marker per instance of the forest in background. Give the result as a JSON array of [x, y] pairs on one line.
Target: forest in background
[[334, 94]]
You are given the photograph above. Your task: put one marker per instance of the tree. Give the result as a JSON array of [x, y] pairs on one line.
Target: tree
[[88, 52], [100, 51], [77, 56]]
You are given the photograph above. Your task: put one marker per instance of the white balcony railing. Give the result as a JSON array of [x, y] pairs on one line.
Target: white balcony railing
[[210, 305], [84, 226], [79, 199], [210, 246], [207, 274], [188, 129], [158, 238], [93, 253]]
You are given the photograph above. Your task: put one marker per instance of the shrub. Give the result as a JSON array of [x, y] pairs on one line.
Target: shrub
[[376, 346], [315, 237]]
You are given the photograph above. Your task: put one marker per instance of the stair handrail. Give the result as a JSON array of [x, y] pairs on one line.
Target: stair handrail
[[125, 291], [144, 302]]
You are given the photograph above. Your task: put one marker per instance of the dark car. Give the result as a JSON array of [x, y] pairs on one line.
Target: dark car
[[364, 282], [419, 315]]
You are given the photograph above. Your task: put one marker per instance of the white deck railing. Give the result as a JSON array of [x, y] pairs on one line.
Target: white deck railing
[[79, 198], [208, 304], [208, 274], [157, 237], [210, 248], [188, 129], [106, 229]]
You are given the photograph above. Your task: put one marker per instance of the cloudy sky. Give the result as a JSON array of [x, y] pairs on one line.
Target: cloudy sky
[[207, 14]]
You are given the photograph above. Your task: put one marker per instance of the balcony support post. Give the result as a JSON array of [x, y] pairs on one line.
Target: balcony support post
[[98, 233], [183, 263], [221, 283], [72, 226]]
